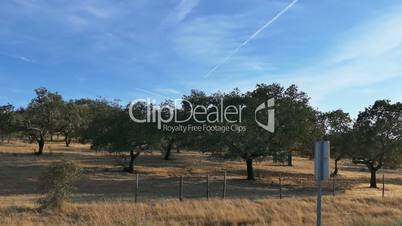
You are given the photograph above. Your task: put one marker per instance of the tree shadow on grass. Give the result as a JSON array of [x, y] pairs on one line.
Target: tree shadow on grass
[[18, 209]]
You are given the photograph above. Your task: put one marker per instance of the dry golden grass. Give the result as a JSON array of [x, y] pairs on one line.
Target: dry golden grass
[[105, 194], [338, 211]]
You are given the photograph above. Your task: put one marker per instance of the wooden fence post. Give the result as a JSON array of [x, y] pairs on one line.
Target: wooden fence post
[[181, 189], [136, 187], [224, 186], [208, 187]]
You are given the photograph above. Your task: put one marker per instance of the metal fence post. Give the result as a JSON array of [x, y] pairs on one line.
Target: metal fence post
[[224, 186], [280, 187], [383, 186], [181, 189], [208, 187], [136, 187], [319, 194]]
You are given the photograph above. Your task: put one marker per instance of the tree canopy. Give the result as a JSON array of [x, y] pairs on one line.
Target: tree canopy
[[228, 125], [378, 133]]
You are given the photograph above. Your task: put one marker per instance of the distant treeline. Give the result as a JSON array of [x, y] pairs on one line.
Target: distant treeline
[[373, 139]]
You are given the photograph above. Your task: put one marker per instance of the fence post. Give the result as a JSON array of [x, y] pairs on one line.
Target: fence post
[[333, 186], [383, 186], [224, 186], [208, 187], [136, 187], [181, 189], [280, 187]]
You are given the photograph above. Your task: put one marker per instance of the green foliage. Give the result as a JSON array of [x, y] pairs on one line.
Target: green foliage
[[375, 139], [42, 116], [378, 136], [70, 121], [58, 184], [45, 110], [378, 130], [114, 131], [7, 121], [296, 124], [338, 130], [90, 111]]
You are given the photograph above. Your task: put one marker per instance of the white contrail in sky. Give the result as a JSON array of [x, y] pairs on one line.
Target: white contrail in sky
[[154, 93], [251, 37]]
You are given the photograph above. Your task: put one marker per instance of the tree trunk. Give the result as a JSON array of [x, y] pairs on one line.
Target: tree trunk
[[133, 156], [177, 149], [41, 145], [373, 179], [168, 150], [336, 168], [372, 168], [250, 170], [290, 163], [67, 140], [131, 163]]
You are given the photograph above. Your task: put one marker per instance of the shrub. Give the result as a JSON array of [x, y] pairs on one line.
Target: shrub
[[58, 184]]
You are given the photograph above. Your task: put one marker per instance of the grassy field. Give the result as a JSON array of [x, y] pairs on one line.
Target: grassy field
[[104, 195]]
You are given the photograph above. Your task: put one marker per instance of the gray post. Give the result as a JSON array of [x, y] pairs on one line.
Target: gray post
[[321, 171], [319, 203], [181, 189], [383, 186], [207, 187], [136, 187], [224, 186]]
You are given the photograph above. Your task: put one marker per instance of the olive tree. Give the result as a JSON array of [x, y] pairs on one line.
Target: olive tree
[[338, 129], [70, 121], [7, 121], [296, 122], [237, 135], [42, 116], [116, 132], [378, 136]]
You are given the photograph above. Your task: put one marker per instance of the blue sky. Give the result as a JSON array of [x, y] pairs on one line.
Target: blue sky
[[344, 54]]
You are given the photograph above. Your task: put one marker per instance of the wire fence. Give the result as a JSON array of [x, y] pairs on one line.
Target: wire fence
[[145, 187]]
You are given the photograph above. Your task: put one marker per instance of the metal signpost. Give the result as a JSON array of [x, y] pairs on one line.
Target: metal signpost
[[321, 171]]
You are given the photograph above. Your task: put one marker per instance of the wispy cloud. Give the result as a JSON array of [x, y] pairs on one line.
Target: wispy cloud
[[154, 94], [97, 11], [181, 11], [268, 23], [168, 91], [72, 15], [21, 58], [207, 39], [367, 54], [377, 38], [213, 41]]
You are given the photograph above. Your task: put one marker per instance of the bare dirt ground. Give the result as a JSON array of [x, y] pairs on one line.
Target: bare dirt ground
[[104, 183]]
